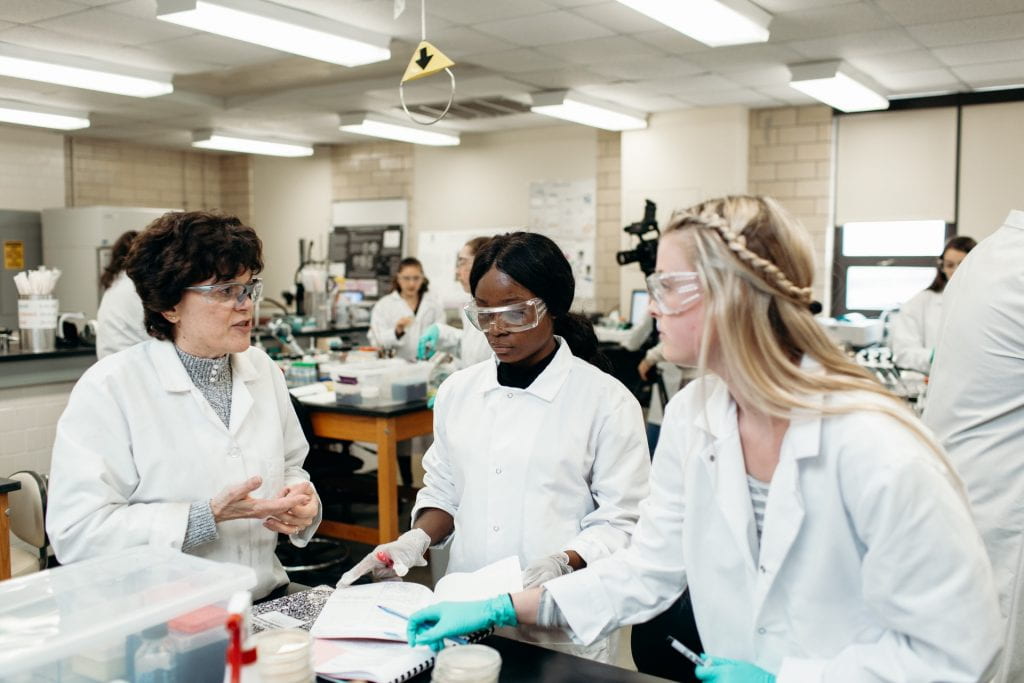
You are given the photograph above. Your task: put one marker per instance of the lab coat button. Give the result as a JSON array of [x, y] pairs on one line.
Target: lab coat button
[[497, 470], [763, 570], [761, 631], [495, 527], [509, 395]]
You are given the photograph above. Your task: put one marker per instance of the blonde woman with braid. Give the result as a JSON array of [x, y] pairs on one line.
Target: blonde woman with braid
[[821, 531]]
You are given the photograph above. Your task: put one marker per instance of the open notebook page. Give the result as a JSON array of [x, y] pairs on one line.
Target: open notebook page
[[369, 660], [353, 612]]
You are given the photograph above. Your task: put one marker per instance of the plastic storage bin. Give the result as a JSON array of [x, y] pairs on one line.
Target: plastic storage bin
[[83, 622]]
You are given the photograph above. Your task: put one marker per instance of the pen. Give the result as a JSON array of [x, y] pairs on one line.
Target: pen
[[395, 613], [687, 652]]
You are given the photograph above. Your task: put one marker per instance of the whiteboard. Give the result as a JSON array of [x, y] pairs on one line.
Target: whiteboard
[[437, 250]]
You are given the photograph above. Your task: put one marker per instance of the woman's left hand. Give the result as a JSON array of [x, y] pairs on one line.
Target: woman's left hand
[[721, 670], [297, 518]]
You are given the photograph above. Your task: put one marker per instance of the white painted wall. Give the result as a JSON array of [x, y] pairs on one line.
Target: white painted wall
[[31, 169], [291, 200], [484, 183], [991, 173], [681, 158]]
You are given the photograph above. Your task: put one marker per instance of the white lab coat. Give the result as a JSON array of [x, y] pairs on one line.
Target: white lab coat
[[120, 320], [915, 331], [468, 344], [138, 443], [975, 400], [869, 567], [392, 308], [560, 465]]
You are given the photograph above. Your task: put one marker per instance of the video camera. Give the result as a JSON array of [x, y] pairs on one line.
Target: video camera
[[645, 253]]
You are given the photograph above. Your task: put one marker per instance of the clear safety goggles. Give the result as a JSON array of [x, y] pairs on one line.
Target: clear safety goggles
[[518, 317], [674, 292], [231, 292]]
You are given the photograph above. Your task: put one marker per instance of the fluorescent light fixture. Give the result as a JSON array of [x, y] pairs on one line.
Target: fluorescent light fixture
[[279, 27], [993, 88], [838, 85], [81, 72], [209, 139], [712, 22], [572, 106], [380, 127], [43, 117]]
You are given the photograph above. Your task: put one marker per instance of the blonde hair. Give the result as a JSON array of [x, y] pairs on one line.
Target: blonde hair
[[756, 266]]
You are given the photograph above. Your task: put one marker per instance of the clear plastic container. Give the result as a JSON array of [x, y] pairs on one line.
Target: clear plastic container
[[467, 664], [92, 613]]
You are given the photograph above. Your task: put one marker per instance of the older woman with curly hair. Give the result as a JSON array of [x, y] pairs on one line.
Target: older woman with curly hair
[[188, 440]]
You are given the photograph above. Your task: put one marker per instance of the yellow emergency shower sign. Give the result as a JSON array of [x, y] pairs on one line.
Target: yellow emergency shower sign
[[14, 255], [426, 60]]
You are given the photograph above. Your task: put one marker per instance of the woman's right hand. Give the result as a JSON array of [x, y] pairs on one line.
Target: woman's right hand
[[402, 324], [391, 560], [644, 368], [234, 502]]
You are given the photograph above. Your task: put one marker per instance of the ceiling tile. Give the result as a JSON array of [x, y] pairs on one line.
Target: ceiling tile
[[998, 73], [768, 74], [647, 67], [787, 95], [778, 6], [114, 28], [855, 44], [687, 85], [28, 11], [632, 96], [566, 77], [894, 62], [740, 56], [724, 98], [574, 3], [927, 11], [514, 61], [543, 29], [619, 18], [611, 50], [964, 31], [473, 12], [827, 21], [460, 41], [918, 81], [981, 53], [375, 15], [211, 49], [671, 41]]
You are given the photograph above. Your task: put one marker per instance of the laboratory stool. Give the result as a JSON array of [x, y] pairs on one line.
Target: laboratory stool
[[28, 515]]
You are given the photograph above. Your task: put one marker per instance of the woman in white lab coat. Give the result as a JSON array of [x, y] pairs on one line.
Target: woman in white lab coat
[[188, 440], [821, 531], [119, 321], [399, 319], [915, 329], [541, 454], [468, 344]]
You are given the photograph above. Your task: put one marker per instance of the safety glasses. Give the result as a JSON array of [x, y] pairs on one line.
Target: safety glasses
[[674, 292], [518, 317], [233, 293]]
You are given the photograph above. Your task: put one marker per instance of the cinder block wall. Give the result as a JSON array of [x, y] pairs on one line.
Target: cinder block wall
[[609, 219], [791, 160]]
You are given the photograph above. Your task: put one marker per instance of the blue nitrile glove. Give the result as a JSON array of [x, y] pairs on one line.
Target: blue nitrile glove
[[430, 401], [723, 670], [431, 625], [428, 343]]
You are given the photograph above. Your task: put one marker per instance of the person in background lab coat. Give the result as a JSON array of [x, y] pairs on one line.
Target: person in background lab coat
[[469, 345], [915, 329], [975, 406], [821, 531], [540, 454], [188, 440], [119, 321], [398, 320]]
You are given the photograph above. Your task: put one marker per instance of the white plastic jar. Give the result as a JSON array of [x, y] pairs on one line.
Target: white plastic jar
[[467, 664], [285, 656]]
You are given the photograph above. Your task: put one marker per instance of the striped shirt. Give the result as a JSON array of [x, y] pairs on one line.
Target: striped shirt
[[758, 499]]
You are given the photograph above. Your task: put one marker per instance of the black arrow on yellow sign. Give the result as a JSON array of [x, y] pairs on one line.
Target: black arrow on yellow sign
[[430, 60], [424, 58]]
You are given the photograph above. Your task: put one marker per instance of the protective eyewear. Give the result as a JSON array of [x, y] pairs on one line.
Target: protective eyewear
[[675, 292], [518, 317], [231, 292]]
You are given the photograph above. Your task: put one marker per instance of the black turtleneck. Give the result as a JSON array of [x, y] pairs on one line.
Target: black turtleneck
[[521, 377]]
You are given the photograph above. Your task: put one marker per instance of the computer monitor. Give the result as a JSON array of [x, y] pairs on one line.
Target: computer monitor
[[353, 295], [638, 307]]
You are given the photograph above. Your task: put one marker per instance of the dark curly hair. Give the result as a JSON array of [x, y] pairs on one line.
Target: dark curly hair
[[538, 264], [182, 248], [118, 256]]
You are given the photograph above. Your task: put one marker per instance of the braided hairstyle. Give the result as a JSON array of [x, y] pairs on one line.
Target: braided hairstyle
[[756, 265]]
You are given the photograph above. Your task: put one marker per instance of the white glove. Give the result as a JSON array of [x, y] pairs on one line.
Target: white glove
[[391, 560], [545, 569]]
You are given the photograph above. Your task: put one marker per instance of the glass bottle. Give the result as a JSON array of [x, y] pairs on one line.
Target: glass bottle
[[155, 658]]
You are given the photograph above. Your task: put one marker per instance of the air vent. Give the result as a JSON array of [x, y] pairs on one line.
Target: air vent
[[480, 108]]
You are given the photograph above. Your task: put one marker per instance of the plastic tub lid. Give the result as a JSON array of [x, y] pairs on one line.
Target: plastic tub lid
[[80, 607]]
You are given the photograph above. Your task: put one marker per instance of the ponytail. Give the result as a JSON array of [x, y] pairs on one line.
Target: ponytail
[[579, 334]]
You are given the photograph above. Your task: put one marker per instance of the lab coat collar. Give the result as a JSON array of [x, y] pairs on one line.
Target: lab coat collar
[[174, 377], [1015, 219], [548, 383]]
